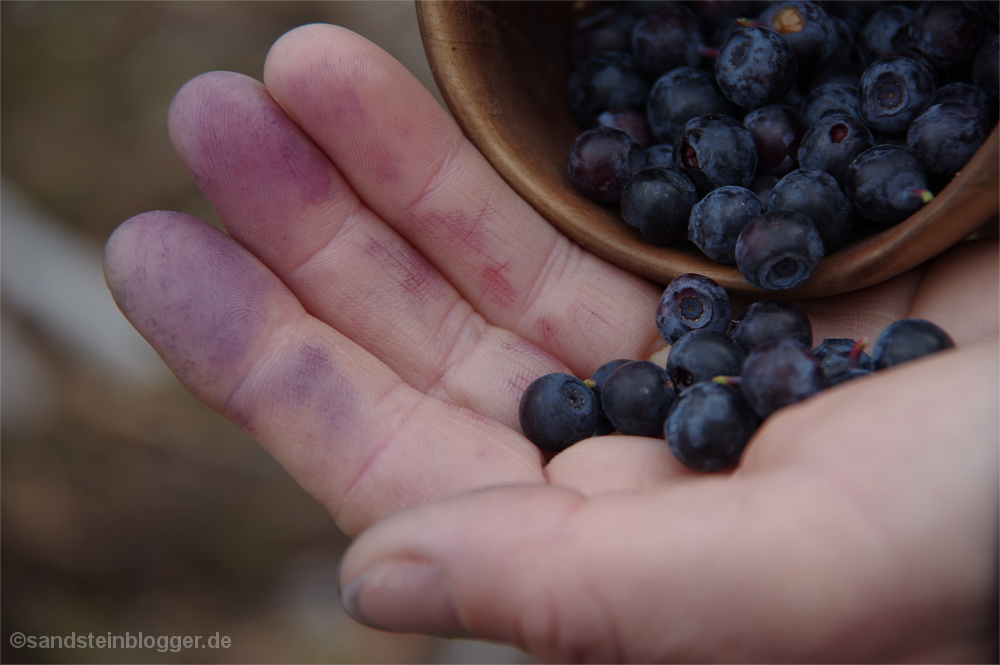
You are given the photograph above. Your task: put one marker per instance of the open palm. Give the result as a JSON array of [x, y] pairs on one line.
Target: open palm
[[382, 300]]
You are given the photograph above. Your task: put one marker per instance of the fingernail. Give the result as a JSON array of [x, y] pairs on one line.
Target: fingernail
[[403, 596]]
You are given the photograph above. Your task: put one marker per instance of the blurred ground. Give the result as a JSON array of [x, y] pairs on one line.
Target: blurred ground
[[126, 506]]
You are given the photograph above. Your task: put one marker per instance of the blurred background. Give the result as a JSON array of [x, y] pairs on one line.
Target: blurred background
[[126, 505]]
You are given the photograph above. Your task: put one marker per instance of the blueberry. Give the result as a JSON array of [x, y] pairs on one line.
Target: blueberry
[[907, 340], [692, 302], [710, 426], [716, 221], [679, 95], [762, 186], [945, 136], [807, 27], [636, 398], [887, 31], [830, 98], [970, 93], [779, 250], [702, 355], [817, 195], [596, 383], [842, 360], [755, 67], [887, 184], [661, 154], [603, 81], [777, 131], [894, 90], [602, 161], [779, 374], [715, 151], [609, 29], [949, 33], [556, 411], [833, 142], [986, 68], [667, 38], [771, 320], [629, 119], [658, 201]]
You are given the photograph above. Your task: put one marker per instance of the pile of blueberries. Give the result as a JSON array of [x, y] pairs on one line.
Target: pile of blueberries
[[769, 142], [723, 376]]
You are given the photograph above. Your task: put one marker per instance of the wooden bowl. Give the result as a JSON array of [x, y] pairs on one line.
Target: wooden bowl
[[503, 68]]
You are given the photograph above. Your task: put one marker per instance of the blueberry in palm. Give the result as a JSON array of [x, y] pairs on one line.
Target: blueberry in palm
[[779, 250], [556, 411], [692, 302], [907, 340], [596, 383], [842, 359], [658, 201], [710, 426], [636, 398], [779, 374], [771, 320], [716, 221], [702, 355]]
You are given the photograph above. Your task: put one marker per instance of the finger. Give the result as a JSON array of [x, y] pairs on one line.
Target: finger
[[408, 162], [798, 560], [280, 196], [961, 292], [354, 435], [610, 464]]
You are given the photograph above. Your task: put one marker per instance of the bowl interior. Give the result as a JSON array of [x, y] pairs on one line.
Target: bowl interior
[[503, 69]]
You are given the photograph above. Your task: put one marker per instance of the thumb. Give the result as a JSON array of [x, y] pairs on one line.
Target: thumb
[[620, 578]]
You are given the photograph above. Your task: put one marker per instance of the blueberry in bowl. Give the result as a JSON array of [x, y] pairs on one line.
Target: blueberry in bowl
[[503, 70]]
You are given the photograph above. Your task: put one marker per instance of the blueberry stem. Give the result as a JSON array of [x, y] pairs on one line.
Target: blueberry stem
[[590, 383], [708, 51], [855, 354], [728, 380], [925, 194]]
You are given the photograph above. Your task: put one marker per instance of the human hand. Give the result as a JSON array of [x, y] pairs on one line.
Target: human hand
[[383, 300]]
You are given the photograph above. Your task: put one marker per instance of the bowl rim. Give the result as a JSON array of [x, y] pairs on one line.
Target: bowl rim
[[452, 31]]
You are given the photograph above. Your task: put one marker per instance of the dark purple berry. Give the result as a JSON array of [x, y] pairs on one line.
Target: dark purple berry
[[946, 136], [661, 154], [828, 99], [771, 320], [887, 184], [636, 398], [629, 119], [777, 131], [756, 67], [709, 427], [603, 81], [986, 68], [817, 195], [667, 38], [779, 374], [702, 355], [716, 221], [602, 161], [779, 250], [715, 151], [893, 91], [692, 302], [907, 340], [680, 95], [596, 383], [808, 28], [887, 31], [833, 143], [949, 33], [609, 29], [842, 360], [556, 411], [658, 201]]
